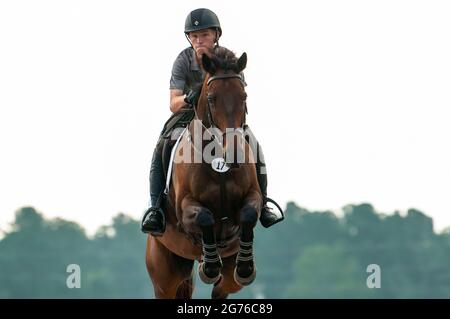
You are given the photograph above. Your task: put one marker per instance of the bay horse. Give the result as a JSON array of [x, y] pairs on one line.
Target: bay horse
[[212, 206]]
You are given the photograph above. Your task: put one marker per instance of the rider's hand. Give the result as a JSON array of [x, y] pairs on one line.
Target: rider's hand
[[192, 97]]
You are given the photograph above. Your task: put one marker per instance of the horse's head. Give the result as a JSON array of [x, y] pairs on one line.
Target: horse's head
[[222, 103]]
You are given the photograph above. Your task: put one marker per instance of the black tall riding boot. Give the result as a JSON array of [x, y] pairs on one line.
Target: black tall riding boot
[[268, 217], [154, 221]]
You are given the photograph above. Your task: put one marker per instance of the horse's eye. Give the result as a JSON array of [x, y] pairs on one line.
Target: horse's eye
[[211, 98]]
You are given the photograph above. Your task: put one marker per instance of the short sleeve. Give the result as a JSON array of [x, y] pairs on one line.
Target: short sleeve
[[179, 72]]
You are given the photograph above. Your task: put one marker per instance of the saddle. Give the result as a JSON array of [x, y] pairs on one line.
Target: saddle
[[178, 120]]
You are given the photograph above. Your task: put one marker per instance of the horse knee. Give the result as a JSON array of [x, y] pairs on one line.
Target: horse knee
[[205, 218], [249, 215]]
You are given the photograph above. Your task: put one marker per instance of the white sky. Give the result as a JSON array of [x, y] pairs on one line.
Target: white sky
[[350, 100]]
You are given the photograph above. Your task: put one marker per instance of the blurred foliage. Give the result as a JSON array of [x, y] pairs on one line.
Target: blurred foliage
[[309, 255]]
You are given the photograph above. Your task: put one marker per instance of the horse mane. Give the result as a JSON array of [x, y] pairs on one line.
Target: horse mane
[[224, 59]]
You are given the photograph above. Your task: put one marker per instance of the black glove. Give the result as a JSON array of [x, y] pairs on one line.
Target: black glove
[[192, 97]]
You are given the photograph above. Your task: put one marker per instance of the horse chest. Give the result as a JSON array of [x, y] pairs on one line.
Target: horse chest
[[212, 193]]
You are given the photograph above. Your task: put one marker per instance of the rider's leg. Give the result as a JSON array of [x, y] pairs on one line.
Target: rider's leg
[[154, 219], [267, 218]]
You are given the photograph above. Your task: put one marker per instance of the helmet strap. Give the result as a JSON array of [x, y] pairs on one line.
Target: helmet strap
[[187, 38], [216, 40]]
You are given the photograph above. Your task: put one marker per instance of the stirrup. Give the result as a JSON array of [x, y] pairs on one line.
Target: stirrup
[[270, 218], [270, 200]]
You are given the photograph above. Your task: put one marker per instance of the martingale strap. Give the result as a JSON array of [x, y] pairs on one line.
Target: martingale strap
[[224, 210]]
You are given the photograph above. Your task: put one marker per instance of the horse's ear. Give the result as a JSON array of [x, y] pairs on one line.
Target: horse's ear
[[242, 62], [208, 64]]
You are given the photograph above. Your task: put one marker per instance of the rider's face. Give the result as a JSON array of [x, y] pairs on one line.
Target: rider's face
[[202, 40]]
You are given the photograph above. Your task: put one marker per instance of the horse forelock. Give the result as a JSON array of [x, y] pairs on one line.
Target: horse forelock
[[225, 59]]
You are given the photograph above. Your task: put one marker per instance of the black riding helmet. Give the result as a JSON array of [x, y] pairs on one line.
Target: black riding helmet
[[200, 19]]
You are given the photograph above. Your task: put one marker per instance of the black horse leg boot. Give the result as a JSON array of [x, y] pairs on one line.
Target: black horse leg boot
[[154, 221]]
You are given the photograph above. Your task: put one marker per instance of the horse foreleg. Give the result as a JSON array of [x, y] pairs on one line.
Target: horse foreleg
[[226, 284], [209, 269], [245, 271]]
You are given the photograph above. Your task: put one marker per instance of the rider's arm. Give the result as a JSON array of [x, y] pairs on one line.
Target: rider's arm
[[176, 100], [178, 82]]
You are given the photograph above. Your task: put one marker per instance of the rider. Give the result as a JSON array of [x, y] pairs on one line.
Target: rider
[[202, 29]]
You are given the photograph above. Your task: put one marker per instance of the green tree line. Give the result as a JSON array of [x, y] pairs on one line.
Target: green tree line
[[309, 255]]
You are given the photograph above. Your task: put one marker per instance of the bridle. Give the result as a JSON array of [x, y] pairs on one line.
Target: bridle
[[210, 101]]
